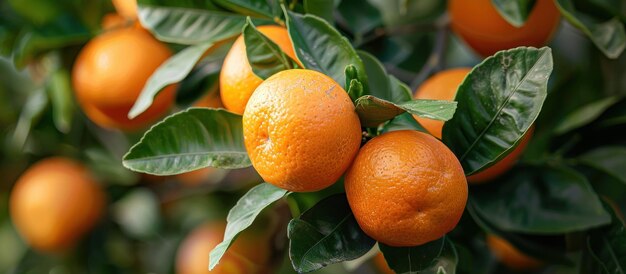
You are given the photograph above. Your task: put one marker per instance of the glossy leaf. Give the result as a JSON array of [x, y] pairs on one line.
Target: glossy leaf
[[243, 214], [543, 247], [172, 71], [585, 115], [380, 83], [607, 246], [438, 256], [373, 111], [321, 47], [610, 159], [514, 11], [190, 26], [497, 103], [265, 57], [403, 122], [541, 200], [190, 140], [321, 8], [59, 89], [326, 234], [261, 8], [609, 36]]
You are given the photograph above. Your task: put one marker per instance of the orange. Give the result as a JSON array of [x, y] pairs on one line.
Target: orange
[[381, 264], [112, 21], [110, 73], [54, 203], [210, 100], [484, 30], [237, 81], [443, 86], [126, 8], [196, 177], [301, 130], [250, 253], [406, 188], [511, 256]]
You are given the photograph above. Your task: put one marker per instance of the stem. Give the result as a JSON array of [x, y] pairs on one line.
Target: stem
[[293, 206]]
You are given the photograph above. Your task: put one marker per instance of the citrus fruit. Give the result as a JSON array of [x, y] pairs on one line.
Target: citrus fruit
[[210, 100], [112, 21], [110, 73], [511, 256], [54, 203], [126, 8], [381, 264], [301, 130], [480, 25], [443, 86], [237, 81], [406, 188], [250, 253]]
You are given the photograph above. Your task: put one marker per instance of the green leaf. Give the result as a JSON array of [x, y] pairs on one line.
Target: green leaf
[[403, 122], [497, 103], [321, 47], [261, 8], [373, 111], [514, 11], [137, 213], [359, 20], [63, 32], [326, 234], [438, 256], [59, 90], [190, 140], [585, 115], [321, 8], [540, 200], [396, 13], [548, 248], [243, 214], [610, 159], [380, 83], [172, 71], [608, 36], [34, 107], [355, 89], [265, 57], [607, 246], [190, 26]]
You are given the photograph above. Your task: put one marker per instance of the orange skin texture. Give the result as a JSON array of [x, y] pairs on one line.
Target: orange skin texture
[[511, 256], [381, 264], [406, 188], [126, 8], [54, 203], [300, 130], [237, 81], [110, 73], [443, 86], [480, 25], [250, 253]]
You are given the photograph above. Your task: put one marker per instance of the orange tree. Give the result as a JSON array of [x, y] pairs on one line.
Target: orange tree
[[326, 116]]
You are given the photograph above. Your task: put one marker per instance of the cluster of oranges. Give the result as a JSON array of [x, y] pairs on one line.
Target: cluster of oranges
[[302, 134]]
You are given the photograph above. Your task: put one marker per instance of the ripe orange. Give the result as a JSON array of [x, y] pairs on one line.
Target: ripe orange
[[443, 86], [126, 8], [484, 30], [406, 188], [511, 256], [110, 73], [382, 265], [300, 130], [54, 203], [250, 253], [237, 81], [112, 21], [196, 177]]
